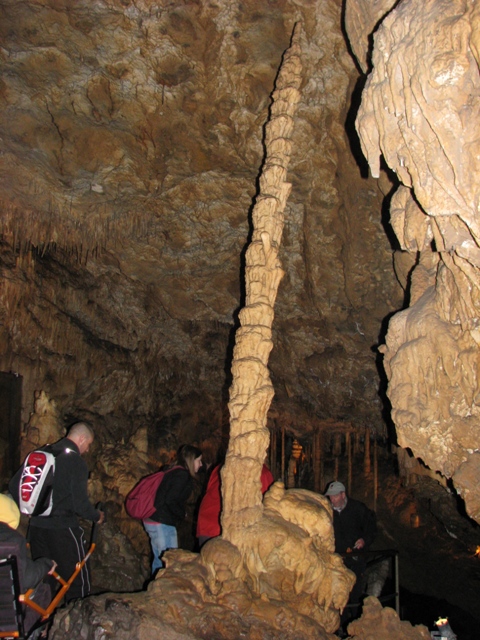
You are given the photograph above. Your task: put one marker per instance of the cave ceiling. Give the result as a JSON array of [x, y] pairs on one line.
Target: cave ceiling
[[131, 145]]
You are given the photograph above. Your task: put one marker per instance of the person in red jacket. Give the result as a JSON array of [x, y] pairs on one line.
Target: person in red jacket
[[208, 522]]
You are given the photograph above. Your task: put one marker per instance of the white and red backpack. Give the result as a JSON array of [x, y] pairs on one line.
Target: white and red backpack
[[35, 492]]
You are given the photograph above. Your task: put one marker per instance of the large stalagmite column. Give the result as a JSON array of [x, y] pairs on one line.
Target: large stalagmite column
[[251, 392]]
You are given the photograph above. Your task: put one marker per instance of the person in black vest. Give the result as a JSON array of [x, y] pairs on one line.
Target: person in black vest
[[59, 535], [355, 528]]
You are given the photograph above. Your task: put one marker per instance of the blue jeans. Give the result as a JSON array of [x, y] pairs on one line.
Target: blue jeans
[[162, 537]]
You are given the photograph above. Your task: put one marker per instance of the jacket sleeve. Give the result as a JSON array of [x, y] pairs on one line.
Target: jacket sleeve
[[31, 571], [35, 571], [369, 526], [266, 478], [79, 478]]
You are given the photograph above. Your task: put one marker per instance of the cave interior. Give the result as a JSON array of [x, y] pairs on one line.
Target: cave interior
[[147, 150]]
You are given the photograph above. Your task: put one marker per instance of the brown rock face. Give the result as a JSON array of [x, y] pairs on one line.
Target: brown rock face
[[420, 110], [131, 143]]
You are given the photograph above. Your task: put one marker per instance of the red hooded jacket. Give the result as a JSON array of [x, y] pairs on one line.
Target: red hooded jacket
[[208, 523]]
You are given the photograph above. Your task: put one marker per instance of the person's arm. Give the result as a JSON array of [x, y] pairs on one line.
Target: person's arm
[[266, 478], [31, 571], [369, 529], [79, 477], [36, 570]]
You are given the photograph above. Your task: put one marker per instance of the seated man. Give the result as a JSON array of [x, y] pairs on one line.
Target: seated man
[[30, 573]]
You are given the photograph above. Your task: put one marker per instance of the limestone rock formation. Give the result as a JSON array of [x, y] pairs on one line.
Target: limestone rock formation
[[420, 110], [252, 391], [384, 624], [131, 139], [280, 555], [44, 425], [284, 581], [361, 20]]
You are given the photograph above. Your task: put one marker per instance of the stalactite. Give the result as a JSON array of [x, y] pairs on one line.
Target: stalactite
[[66, 227]]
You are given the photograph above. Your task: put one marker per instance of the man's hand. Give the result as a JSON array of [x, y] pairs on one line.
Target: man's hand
[[54, 566], [359, 544], [101, 520]]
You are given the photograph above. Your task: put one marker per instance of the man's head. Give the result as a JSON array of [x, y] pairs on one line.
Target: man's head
[[336, 494], [82, 435]]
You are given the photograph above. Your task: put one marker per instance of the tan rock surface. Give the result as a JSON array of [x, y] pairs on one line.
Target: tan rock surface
[[252, 391], [44, 425], [420, 110], [361, 19], [384, 624], [131, 141], [284, 581], [274, 564], [283, 549]]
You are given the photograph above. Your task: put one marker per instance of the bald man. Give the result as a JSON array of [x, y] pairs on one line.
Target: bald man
[[59, 536]]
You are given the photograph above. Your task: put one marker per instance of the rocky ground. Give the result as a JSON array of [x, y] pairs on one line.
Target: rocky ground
[[439, 571]]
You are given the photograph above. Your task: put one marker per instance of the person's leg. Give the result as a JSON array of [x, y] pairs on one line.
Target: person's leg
[[353, 608], [171, 538], [81, 586], [40, 547], [157, 542], [66, 547], [162, 537], [39, 543]]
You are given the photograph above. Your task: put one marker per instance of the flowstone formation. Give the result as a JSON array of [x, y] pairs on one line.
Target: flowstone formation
[[273, 572], [420, 110], [384, 624], [44, 425]]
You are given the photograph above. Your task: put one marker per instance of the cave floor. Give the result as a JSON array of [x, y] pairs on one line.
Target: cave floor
[[439, 571]]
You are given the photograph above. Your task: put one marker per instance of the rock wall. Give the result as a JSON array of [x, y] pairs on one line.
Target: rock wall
[[420, 110], [131, 145]]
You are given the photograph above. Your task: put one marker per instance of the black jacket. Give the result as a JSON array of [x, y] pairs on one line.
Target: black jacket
[[355, 521], [70, 497], [171, 497], [30, 572]]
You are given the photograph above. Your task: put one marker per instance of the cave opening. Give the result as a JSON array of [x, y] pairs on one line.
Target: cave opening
[[10, 422]]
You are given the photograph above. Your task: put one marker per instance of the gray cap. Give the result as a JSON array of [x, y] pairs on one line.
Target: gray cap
[[334, 488]]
